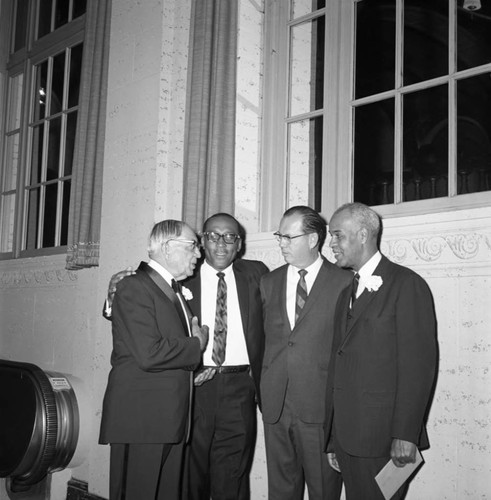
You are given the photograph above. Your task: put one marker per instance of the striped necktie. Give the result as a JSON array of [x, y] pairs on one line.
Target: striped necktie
[[301, 294], [220, 336]]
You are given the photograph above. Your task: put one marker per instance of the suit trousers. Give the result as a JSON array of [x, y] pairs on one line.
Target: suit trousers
[[219, 454], [359, 475], [146, 471], [294, 455]]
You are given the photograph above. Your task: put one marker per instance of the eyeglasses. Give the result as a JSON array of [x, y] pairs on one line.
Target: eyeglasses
[[286, 238], [228, 238], [194, 244]]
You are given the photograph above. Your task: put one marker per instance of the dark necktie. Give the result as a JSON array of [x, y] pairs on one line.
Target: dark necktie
[[354, 288], [220, 337], [301, 294]]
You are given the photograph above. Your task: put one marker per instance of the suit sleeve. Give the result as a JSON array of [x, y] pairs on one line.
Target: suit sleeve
[[416, 357], [154, 345]]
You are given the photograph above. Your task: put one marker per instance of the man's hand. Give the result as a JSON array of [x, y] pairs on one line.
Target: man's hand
[[402, 452], [115, 279], [203, 375], [333, 461], [200, 332]]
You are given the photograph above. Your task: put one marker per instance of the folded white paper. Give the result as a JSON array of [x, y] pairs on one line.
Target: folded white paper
[[391, 477]]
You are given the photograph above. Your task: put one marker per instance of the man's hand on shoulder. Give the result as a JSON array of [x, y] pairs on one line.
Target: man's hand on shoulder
[[402, 452], [113, 283], [200, 332]]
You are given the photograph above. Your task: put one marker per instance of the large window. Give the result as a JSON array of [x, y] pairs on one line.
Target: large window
[[44, 40], [387, 102]]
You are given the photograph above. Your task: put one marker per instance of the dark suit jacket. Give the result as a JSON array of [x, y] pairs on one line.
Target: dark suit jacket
[[247, 276], [384, 362], [299, 357], [148, 391]]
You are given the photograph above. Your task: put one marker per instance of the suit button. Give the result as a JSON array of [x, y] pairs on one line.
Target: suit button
[[290, 344]]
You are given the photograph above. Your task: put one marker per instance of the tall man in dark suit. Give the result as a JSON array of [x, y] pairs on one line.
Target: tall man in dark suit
[[155, 348], [298, 303], [220, 451], [384, 357]]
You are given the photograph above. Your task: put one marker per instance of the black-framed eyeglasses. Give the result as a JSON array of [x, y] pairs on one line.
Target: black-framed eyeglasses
[[286, 238], [194, 244], [228, 238]]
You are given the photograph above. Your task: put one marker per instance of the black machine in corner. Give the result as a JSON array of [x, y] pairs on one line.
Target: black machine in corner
[[39, 423]]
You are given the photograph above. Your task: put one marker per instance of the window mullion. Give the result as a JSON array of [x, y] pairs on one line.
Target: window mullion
[[452, 101], [398, 103]]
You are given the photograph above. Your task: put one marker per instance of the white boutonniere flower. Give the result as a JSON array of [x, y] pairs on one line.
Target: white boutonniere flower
[[186, 293], [372, 283]]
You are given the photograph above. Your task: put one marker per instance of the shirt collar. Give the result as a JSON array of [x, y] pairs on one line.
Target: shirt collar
[[162, 271], [369, 267], [211, 271], [312, 269]]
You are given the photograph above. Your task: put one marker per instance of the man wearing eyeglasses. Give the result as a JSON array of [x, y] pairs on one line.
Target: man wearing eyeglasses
[[299, 301], [220, 451], [156, 346]]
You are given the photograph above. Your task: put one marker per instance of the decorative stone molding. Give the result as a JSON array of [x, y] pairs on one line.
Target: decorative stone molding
[[30, 273]]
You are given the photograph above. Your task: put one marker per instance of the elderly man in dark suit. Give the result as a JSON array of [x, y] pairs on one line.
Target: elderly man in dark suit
[[220, 451], [156, 345], [384, 357], [298, 304]]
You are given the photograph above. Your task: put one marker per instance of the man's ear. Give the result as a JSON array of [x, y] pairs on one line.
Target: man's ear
[[363, 235], [313, 240]]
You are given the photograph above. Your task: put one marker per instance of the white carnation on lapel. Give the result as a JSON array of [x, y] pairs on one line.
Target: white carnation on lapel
[[186, 293], [372, 283]]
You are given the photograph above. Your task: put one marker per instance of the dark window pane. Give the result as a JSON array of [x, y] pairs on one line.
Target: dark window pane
[[375, 47], [75, 74], [37, 154], [41, 94], [49, 224], [61, 12], [474, 134], [54, 141], [32, 219], [44, 23], [71, 129], [79, 8], [474, 35], [374, 153], [425, 144], [57, 84], [425, 40], [20, 24], [64, 216]]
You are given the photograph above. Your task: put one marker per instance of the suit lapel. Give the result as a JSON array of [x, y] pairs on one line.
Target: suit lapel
[[363, 301], [166, 289], [243, 296]]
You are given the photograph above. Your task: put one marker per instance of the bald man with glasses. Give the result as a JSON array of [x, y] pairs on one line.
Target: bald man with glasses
[[299, 301], [156, 346]]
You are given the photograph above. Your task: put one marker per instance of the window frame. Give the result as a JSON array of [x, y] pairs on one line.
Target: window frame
[[338, 113], [23, 62]]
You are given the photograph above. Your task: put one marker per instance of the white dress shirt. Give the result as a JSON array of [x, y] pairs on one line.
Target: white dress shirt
[[236, 348]]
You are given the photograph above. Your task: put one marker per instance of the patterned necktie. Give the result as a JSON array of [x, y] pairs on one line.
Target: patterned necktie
[[354, 288], [301, 294], [220, 337]]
